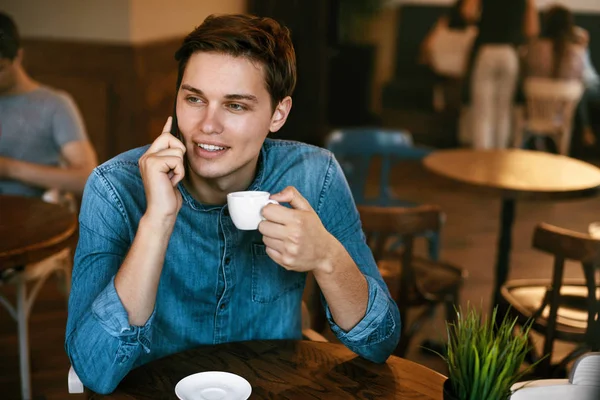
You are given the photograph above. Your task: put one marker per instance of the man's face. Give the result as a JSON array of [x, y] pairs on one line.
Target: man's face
[[224, 113], [8, 75]]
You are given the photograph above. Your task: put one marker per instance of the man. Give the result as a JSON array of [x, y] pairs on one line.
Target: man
[[43, 143], [160, 267]]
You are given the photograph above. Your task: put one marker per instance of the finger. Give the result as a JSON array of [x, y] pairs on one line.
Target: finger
[[165, 140], [165, 164], [292, 196], [272, 229], [177, 174], [281, 215], [150, 160], [173, 151], [168, 125], [274, 244]]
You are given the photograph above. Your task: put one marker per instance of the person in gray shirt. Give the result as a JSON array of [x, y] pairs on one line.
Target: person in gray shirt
[[43, 142]]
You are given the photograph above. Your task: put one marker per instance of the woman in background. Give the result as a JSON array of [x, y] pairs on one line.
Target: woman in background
[[559, 52], [503, 25]]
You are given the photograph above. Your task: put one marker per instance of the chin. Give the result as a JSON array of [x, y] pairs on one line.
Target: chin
[[210, 171]]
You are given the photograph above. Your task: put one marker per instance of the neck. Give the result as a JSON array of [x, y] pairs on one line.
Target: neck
[[214, 191], [23, 83]]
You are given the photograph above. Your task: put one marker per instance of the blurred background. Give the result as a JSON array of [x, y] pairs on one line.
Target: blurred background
[[358, 63]]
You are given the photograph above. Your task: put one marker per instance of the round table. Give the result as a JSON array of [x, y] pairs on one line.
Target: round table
[[286, 370], [30, 231], [515, 175]]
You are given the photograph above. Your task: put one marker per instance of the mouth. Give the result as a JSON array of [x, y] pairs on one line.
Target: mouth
[[206, 150], [210, 147]]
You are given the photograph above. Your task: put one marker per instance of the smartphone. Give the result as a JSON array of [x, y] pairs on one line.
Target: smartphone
[[174, 124]]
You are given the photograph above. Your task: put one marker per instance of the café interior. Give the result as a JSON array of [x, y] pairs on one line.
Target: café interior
[[461, 225]]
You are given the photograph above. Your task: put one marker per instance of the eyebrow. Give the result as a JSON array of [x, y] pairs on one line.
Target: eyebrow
[[248, 97]]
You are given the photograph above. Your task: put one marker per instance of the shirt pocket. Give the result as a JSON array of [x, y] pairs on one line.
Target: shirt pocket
[[270, 281]]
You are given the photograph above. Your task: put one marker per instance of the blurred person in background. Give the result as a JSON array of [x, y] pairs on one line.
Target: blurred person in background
[[43, 142], [591, 82], [560, 53], [503, 25]]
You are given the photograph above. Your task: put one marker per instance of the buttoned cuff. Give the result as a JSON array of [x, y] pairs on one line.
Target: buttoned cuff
[[377, 325], [112, 316]]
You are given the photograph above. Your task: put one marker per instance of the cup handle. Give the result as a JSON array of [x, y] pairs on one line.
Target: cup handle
[[270, 201]]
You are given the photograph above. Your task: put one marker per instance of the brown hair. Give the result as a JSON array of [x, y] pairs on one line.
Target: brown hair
[[10, 42], [261, 40], [559, 28]]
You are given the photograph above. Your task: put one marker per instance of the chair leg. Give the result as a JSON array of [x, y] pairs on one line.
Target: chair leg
[[400, 349], [433, 246], [564, 141], [23, 331], [67, 276], [450, 306]]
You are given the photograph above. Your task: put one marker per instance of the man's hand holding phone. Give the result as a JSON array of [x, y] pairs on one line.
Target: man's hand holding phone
[[162, 168]]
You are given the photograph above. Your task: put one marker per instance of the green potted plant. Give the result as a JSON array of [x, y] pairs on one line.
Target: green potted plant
[[484, 361]]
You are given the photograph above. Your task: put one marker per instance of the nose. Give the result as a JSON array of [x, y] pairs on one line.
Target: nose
[[210, 120]]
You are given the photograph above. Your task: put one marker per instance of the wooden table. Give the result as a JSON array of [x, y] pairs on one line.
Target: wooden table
[[287, 370], [515, 175], [30, 231]]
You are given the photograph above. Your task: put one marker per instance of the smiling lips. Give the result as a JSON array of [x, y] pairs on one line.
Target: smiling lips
[[210, 147], [209, 151]]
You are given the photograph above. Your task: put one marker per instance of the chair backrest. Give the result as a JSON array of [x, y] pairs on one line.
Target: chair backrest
[[583, 383], [356, 148], [586, 371], [382, 225], [565, 244], [551, 103]]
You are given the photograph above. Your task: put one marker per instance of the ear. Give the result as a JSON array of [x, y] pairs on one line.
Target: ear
[[19, 57], [281, 113]]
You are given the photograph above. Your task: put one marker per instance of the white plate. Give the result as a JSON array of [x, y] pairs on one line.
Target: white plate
[[213, 385]]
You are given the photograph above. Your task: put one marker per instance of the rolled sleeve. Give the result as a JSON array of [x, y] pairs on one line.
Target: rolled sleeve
[[377, 333], [112, 316]]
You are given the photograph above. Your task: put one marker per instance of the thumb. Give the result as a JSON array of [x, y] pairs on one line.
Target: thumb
[[292, 196]]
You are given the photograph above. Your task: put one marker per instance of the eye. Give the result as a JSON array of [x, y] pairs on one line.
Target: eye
[[237, 107], [193, 100]]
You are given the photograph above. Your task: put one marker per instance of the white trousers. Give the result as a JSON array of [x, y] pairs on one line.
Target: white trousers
[[493, 86]]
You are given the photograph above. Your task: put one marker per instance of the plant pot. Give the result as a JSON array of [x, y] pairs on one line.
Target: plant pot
[[448, 391]]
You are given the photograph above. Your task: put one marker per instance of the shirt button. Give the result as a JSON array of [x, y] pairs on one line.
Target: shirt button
[[223, 305], [227, 260]]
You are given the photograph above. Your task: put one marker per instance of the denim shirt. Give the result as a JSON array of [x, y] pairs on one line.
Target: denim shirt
[[217, 284]]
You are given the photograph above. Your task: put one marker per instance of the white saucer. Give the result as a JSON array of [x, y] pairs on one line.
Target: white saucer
[[213, 385]]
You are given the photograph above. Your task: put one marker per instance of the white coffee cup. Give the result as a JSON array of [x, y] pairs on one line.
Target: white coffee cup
[[245, 208]]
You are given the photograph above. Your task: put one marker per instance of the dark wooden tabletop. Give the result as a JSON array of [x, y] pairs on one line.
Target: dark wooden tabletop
[[287, 370], [31, 230], [518, 174]]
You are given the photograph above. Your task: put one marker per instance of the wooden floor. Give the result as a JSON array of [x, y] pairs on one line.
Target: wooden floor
[[469, 240]]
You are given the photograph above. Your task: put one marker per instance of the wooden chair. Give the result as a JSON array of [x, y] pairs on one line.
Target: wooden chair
[[564, 309], [550, 105], [356, 149], [412, 281]]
